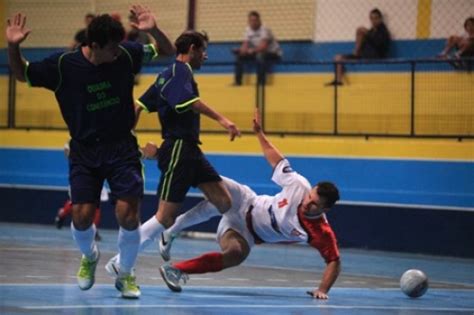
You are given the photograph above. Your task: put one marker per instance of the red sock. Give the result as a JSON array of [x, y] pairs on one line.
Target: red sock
[[210, 262], [65, 210], [97, 217]]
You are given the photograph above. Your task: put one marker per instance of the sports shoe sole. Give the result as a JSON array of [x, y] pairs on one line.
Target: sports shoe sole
[[169, 284]]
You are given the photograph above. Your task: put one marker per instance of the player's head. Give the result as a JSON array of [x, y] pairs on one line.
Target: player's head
[[469, 25], [376, 17], [194, 45], [103, 37], [320, 199], [254, 20], [88, 18]]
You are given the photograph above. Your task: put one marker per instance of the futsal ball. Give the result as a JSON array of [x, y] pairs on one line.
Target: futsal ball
[[414, 283]]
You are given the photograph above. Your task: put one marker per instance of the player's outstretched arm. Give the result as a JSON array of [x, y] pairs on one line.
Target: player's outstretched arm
[[16, 33], [330, 275], [146, 21], [200, 107], [271, 153]]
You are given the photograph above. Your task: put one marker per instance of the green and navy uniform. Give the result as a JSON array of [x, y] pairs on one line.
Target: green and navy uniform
[[181, 161], [96, 102]]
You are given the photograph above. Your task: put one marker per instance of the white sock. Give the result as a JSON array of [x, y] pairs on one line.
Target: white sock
[[201, 212], [128, 243], [149, 231], [85, 241]]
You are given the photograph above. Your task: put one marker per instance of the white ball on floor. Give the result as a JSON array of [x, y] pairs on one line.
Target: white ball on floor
[[414, 283]]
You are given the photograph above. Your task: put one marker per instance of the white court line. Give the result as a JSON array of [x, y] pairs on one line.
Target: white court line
[[37, 277], [218, 287], [277, 280], [237, 279], [202, 279], [250, 306]]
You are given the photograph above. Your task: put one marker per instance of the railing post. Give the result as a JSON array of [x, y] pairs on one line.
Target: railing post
[[412, 101], [335, 98], [260, 101]]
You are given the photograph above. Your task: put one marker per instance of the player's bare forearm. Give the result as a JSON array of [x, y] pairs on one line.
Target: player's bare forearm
[[330, 275], [199, 107], [16, 33], [202, 108], [17, 62], [165, 46], [270, 152]]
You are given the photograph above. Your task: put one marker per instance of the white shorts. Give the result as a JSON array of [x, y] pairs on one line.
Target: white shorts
[[234, 218]]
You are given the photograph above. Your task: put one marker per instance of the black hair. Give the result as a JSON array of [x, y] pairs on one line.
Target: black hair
[[104, 29], [254, 13], [469, 19], [90, 15], [329, 192], [188, 38], [376, 11]]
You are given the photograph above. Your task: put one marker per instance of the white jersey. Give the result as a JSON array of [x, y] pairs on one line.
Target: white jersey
[[275, 218], [255, 38]]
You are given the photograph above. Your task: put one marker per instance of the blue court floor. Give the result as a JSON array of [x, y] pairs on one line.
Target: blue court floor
[[38, 266]]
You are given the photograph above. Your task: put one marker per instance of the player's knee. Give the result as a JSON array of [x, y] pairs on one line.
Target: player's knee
[[82, 218], [234, 256], [129, 222]]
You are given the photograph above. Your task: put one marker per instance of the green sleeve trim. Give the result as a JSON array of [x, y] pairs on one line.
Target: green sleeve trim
[[189, 66], [184, 107], [143, 106], [149, 53], [60, 81], [26, 73], [127, 53]]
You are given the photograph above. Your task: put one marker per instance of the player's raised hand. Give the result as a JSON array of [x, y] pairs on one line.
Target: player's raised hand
[[16, 31], [143, 18], [257, 122]]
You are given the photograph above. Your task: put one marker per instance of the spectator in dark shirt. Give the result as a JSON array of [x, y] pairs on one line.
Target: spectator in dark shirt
[[80, 37], [461, 46], [371, 43]]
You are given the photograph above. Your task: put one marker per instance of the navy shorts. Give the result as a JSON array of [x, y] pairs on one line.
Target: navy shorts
[[182, 165], [117, 162]]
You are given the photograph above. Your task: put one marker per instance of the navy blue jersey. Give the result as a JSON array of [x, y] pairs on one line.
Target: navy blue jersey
[[96, 101], [172, 95]]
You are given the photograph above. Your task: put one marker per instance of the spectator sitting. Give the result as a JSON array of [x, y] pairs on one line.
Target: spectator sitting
[[462, 46], [370, 43], [80, 37], [259, 45]]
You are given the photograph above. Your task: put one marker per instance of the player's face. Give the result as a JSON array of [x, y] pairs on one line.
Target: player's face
[[375, 19], [470, 27], [313, 204], [254, 22], [198, 56], [108, 53]]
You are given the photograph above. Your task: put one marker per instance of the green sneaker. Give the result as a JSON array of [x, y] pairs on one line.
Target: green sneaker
[[128, 286], [86, 272]]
